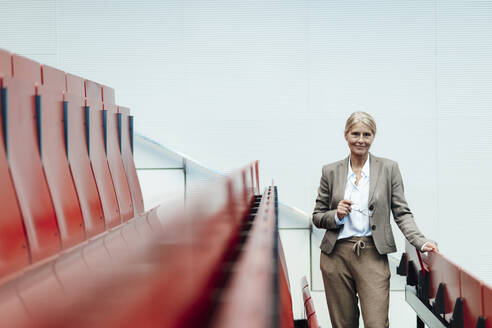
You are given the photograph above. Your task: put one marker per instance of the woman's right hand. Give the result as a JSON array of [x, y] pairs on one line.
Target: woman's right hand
[[344, 208]]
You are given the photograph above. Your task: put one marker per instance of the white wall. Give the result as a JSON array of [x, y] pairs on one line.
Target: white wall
[[227, 82]]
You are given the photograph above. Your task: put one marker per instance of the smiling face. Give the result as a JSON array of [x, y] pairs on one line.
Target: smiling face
[[359, 139]]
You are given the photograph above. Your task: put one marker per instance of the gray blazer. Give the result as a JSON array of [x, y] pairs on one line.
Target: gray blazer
[[385, 193]]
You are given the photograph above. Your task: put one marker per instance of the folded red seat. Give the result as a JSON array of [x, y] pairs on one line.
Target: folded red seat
[[472, 293], [14, 253], [125, 130], [487, 305], [22, 143], [113, 154], [447, 274], [78, 157], [54, 156], [97, 154]]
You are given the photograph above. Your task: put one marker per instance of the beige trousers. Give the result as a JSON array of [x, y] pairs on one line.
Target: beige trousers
[[355, 268]]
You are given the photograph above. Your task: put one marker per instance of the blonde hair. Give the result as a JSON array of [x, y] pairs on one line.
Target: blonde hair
[[360, 117]]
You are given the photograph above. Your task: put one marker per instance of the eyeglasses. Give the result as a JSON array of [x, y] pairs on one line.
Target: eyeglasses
[[356, 207], [365, 211]]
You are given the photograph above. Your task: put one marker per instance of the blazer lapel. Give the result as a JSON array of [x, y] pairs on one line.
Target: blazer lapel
[[374, 173], [341, 180]]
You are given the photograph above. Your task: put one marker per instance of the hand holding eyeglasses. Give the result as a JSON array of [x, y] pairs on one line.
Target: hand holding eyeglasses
[[347, 206], [344, 208]]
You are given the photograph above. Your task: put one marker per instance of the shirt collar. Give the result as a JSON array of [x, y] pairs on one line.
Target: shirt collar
[[365, 168]]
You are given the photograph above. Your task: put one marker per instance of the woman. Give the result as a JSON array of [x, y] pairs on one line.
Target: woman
[[354, 200]]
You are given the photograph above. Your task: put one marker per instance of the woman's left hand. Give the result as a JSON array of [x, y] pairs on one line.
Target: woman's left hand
[[430, 247]]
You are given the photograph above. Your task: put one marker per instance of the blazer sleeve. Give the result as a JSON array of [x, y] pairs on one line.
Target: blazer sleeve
[[401, 213], [323, 215]]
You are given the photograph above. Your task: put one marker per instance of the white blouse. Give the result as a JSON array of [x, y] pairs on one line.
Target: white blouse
[[356, 223]]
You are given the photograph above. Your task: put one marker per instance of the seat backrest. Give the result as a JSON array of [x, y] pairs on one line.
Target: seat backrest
[[40, 291], [78, 157], [110, 123], [487, 305], [23, 155], [54, 157], [14, 253], [97, 154], [12, 308], [285, 299], [414, 256], [472, 293], [127, 155], [434, 278], [444, 271]]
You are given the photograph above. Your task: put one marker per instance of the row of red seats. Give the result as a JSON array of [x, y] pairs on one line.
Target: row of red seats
[[77, 249], [172, 278], [453, 294], [250, 299], [63, 181], [284, 296]]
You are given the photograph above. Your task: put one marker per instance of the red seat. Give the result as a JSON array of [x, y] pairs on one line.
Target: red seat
[[72, 272], [14, 253], [97, 154], [154, 221], [182, 262], [434, 278], [487, 305], [12, 310], [143, 227], [131, 235], [54, 158], [286, 316], [446, 272], [96, 255], [414, 256], [41, 291], [24, 158], [114, 155], [128, 162], [116, 244], [471, 291], [78, 156]]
